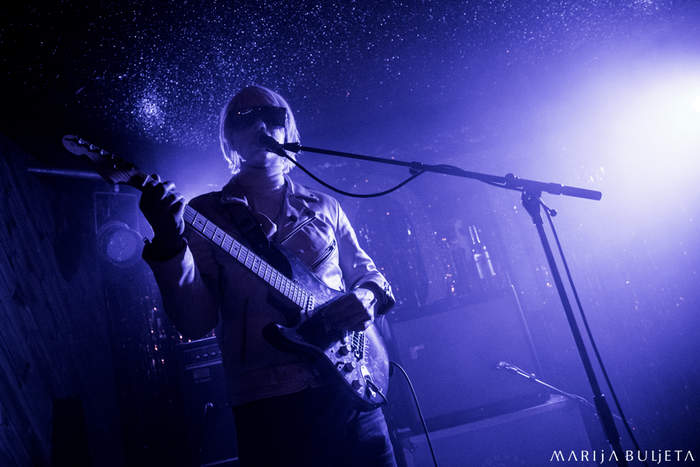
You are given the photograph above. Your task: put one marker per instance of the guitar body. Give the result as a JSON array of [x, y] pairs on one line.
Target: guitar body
[[356, 359]]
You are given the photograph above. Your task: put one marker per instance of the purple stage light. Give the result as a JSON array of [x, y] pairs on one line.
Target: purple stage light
[[119, 244]]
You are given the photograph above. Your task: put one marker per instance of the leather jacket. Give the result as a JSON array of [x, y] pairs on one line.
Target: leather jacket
[[202, 287]]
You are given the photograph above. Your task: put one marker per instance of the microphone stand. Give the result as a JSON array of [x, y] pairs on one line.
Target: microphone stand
[[532, 377], [531, 192]]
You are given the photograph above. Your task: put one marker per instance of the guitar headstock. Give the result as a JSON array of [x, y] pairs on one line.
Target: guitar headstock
[[111, 167]]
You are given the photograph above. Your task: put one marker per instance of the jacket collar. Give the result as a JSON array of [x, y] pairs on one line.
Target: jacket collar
[[232, 192], [295, 207], [300, 191]]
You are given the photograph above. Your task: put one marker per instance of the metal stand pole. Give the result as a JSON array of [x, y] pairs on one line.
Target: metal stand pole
[[531, 202]]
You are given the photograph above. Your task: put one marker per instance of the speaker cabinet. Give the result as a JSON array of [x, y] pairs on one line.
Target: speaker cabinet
[[452, 356], [211, 427], [528, 437]]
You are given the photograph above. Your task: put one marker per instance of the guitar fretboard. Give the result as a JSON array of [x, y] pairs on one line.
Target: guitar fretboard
[[247, 257]]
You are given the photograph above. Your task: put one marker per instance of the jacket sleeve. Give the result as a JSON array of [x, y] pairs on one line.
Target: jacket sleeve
[[189, 285], [358, 268]]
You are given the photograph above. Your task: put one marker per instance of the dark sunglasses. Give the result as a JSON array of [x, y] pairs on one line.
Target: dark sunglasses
[[271, 116]]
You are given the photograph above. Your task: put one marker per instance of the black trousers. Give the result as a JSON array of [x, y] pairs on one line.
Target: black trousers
[[313, 428]]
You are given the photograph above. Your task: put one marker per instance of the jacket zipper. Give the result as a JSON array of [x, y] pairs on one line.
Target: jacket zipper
[[324, 257], [296, 229]]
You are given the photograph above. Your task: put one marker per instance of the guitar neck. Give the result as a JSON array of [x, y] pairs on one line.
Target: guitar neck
[[247, 258], [116, 170]]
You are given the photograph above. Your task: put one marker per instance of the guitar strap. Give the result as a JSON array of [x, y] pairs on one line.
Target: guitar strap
[[251, 231], [249, 227]]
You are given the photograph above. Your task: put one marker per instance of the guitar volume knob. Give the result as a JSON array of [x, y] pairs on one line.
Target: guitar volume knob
[[344, 349], [356, 385], [348, 367]]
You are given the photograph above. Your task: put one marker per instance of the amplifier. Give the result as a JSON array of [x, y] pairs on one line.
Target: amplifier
[[528, 437], [211, 427], [452, 358], [200, 360]]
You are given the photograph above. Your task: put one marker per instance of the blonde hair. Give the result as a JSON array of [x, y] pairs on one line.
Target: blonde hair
[[258, 95]]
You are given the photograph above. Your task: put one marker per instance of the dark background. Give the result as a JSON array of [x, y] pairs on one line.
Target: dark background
[[599, 94]]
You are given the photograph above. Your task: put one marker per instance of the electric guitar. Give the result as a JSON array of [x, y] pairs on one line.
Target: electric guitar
[[356, 359]]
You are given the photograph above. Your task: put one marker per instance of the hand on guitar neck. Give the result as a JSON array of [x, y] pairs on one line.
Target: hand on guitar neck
[[163, 207]]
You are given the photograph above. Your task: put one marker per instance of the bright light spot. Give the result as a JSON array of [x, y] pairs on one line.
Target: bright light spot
[[149, 109], [647, 127], [696, 103], [149, 112], [656, 131], [635, 127], [653, 136]]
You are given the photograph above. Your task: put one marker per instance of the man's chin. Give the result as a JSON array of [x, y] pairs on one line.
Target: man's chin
[[259, 165], [262, 159]]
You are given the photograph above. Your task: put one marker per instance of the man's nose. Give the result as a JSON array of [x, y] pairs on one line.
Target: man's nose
[[259, 125]]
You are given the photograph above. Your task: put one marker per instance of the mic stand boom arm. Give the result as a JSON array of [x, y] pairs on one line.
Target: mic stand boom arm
[[531, 192], [510, 181]]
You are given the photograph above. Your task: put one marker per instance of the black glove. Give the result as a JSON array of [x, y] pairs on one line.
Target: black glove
[[353, 311], [163, 207]]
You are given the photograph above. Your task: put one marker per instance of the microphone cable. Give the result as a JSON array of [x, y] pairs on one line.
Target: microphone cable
[[420, 413], [414, 173], [551, 213]]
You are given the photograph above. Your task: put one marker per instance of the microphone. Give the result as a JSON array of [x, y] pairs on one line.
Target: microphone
[[510, 367], [271, 144], [507, 366]]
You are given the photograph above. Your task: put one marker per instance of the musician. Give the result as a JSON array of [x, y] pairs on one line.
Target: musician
[[286, 412]]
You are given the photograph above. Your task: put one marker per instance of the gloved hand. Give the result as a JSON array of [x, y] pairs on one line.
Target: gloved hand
[[163, 207], [353, 311]]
